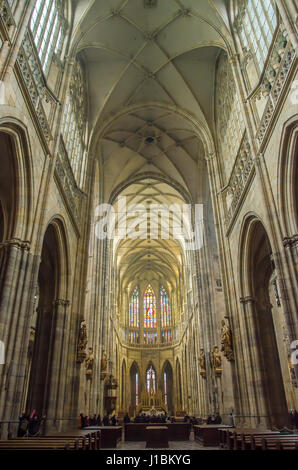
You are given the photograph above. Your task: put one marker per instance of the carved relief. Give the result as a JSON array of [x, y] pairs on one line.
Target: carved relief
[[89, 362], [280, 61], [216, 361], [103, 365], [34, 81], [226, 341], [82, 342], [239, 178], [6, 14], [202, 362]]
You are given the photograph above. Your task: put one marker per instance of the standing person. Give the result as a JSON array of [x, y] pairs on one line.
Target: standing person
[[126, 419], [98, 420], [23, 425], [231, 419], [294, 418], [113, 420], [106, 421], [82, 420]]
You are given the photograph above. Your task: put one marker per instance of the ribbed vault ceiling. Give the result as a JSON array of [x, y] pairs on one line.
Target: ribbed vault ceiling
[[150, 77]]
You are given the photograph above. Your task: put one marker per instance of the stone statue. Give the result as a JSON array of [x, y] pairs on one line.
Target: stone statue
[[89, 361], [104, 362], [226, 341], [216, 360], [202, 362], [82, 342]]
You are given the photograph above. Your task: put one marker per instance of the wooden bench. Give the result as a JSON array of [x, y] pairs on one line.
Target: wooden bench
[[238, 438], [59, 442], [91, 441], [208, 434], [281, 442], [223, 436], [37, 444], [245, 440], [110, 436]]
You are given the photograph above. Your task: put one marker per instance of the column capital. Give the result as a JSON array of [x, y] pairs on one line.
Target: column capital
[[210, 156], [247, 299], [290, 241], [16, 243], [233, 59], [61, 302]]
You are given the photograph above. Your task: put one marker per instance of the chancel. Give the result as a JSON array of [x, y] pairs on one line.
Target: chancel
[[148, 224]]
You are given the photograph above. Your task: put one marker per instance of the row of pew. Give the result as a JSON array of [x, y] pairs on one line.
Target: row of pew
[[253, 439], [90, 441]]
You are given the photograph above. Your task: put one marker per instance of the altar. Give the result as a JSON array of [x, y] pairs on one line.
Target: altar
[[151, 400], [152, 403]]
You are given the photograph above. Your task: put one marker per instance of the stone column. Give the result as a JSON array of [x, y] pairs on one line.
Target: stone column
[[254, 412], [19, 277], [58, 367]]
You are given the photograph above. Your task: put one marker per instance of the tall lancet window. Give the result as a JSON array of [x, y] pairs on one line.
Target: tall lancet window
[[256, 23], [149, 308], [134, 309], [165, 309], [150, 380], [48, 27]]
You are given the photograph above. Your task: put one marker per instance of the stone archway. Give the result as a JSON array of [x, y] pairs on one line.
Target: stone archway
[[258, 273], [179, 385], [167, 386], [123, 404], [134, 375], [48, 340]]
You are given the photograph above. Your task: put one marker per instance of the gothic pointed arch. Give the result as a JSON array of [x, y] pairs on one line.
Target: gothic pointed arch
[[263, 313], [49, 326]]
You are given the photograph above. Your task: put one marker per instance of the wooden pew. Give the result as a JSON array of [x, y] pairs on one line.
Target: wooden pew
[[90, 441], [287, 445], [249, 440], [281, 442], [208, 434], [223, 436], [238, 438], [110, 436], [37, 444], [59, 442]]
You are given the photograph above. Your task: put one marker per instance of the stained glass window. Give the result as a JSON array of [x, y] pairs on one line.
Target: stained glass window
[[137, 389], [150, 338], [133, 337], [150, 380], [166, 336], [134, 311], [165, 308], [165, 388], [149, 308]]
